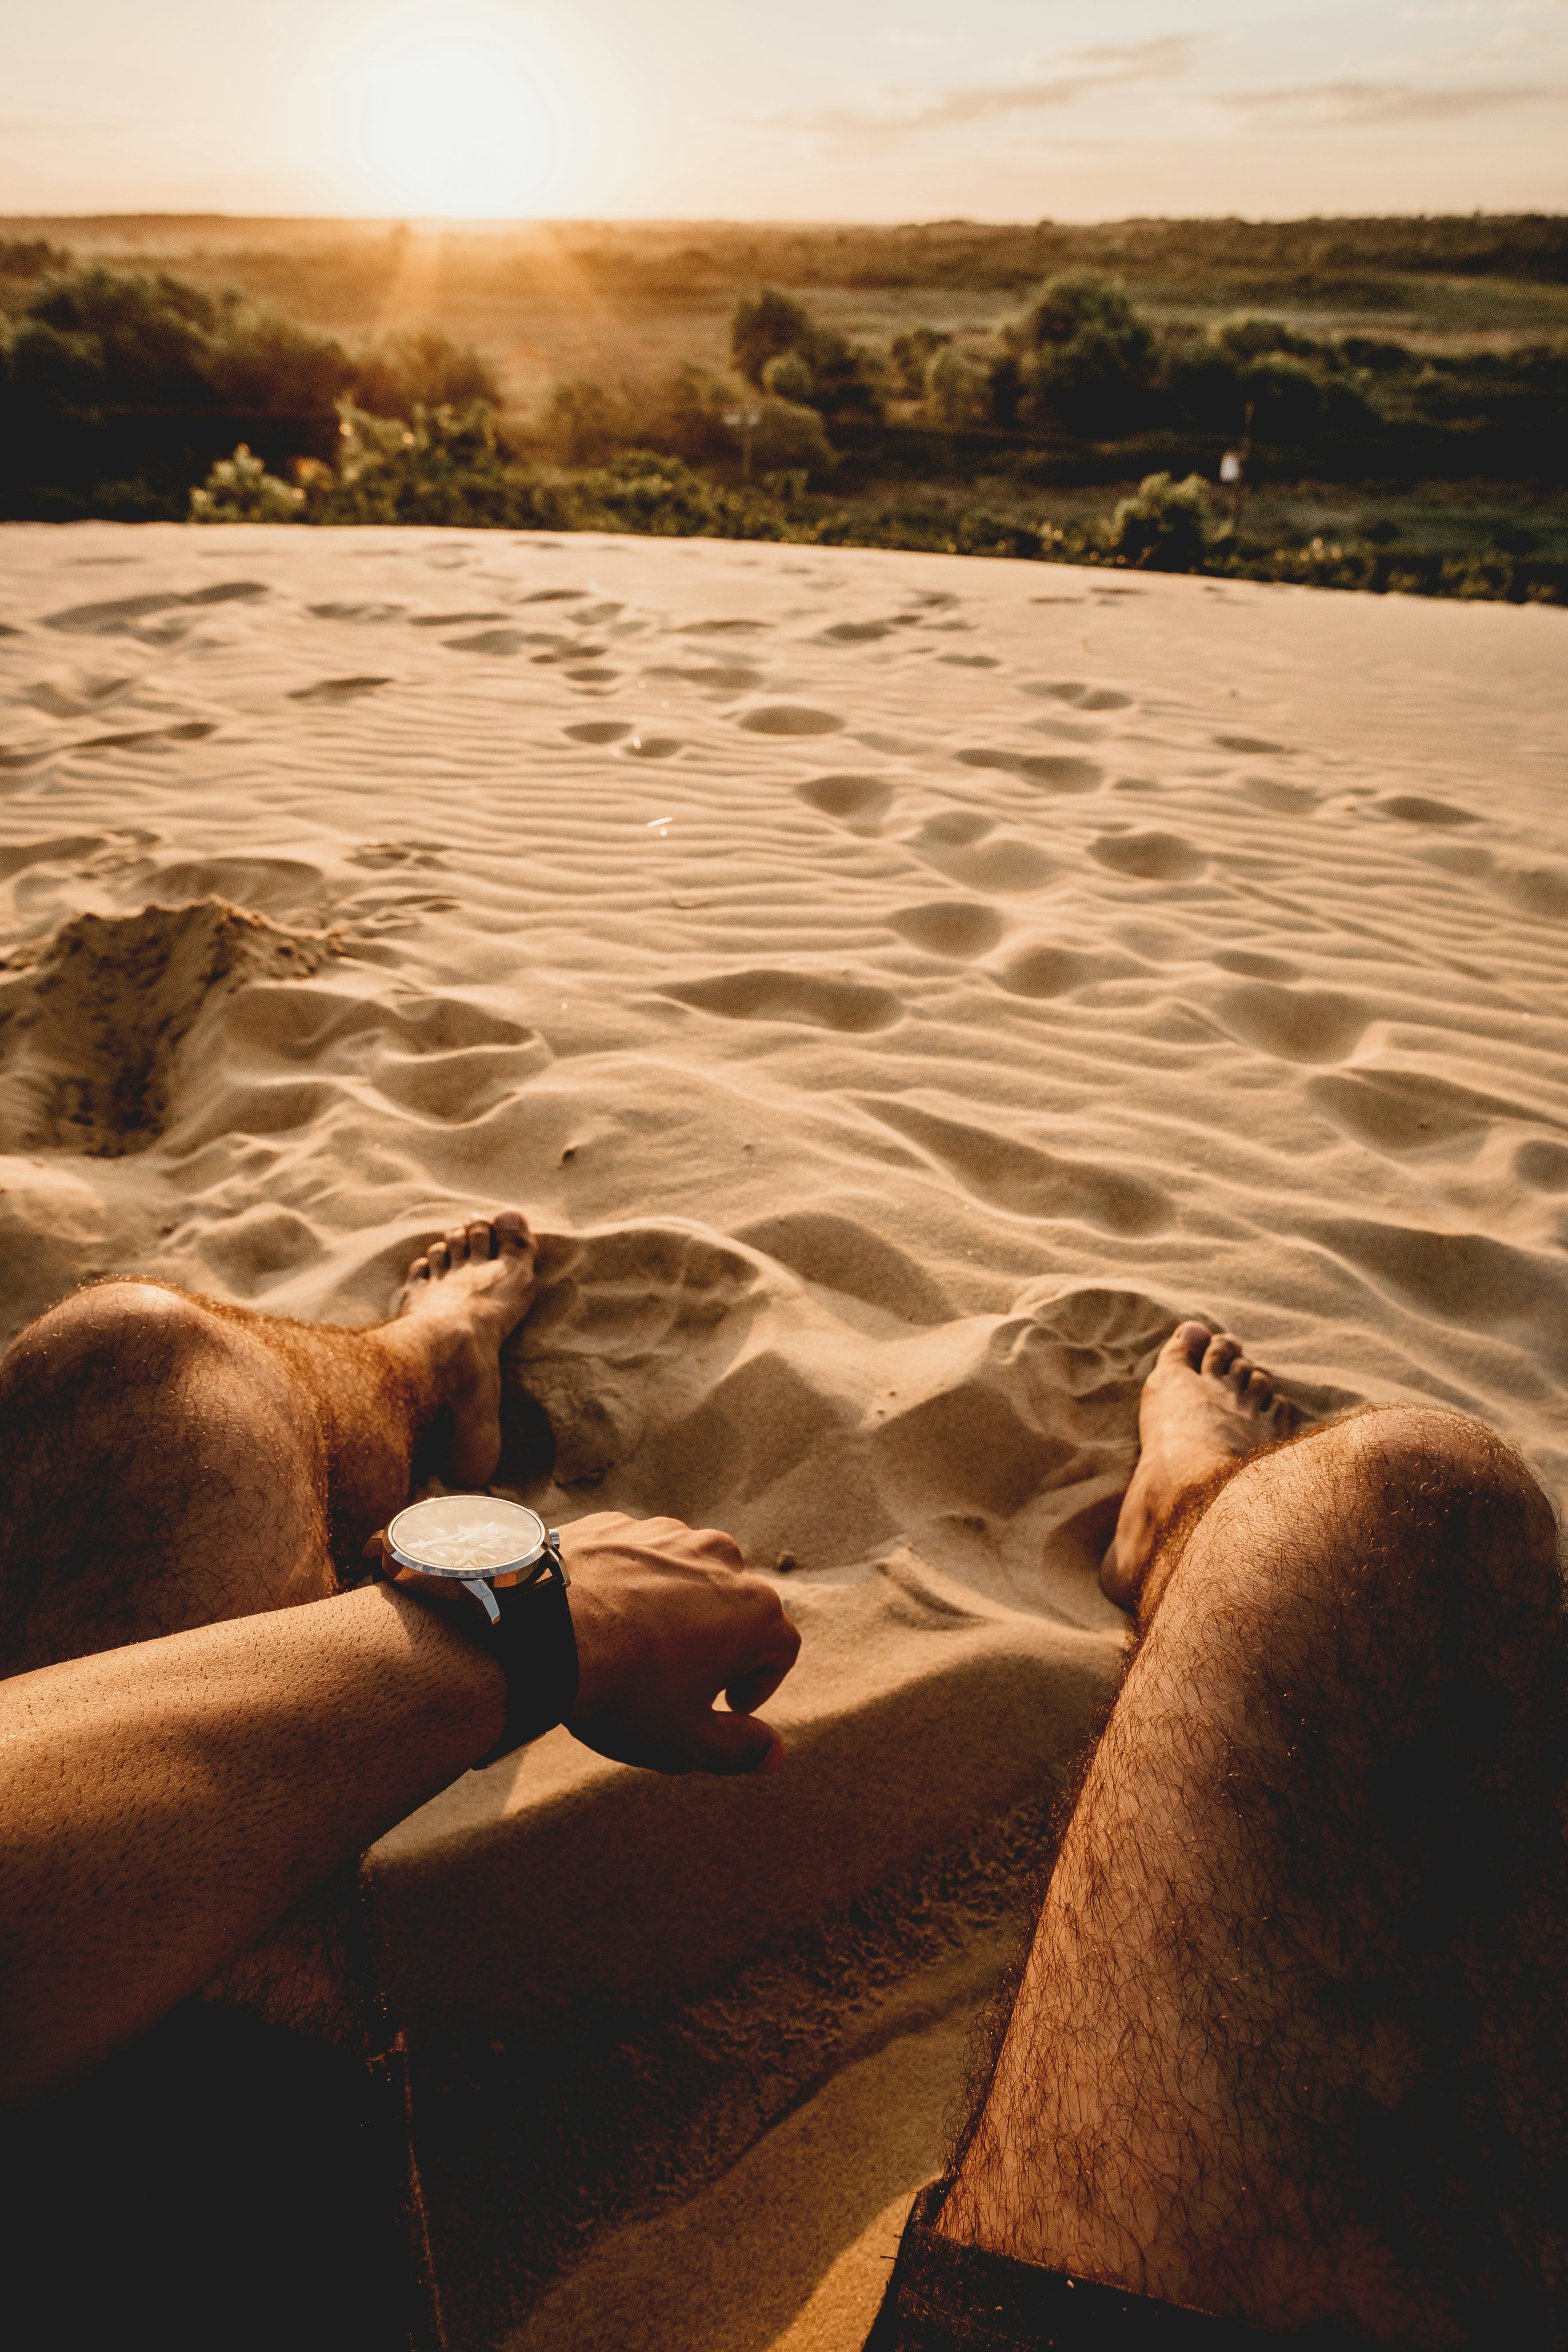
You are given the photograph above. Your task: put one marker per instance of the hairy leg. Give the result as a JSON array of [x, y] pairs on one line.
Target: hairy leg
[[171, 1462], [1290, 2044]]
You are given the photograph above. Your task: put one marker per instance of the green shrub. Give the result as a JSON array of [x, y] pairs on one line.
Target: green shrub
[[240, 489], [788, 376], [1165, 528], [765, 329], [1085, 356], [957, 388]]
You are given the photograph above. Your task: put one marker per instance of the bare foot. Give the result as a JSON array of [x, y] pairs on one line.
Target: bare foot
[[460, 1301], [1203, 1404]]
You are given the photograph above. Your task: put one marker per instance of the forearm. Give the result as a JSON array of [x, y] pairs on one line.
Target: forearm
[[163, 1805]]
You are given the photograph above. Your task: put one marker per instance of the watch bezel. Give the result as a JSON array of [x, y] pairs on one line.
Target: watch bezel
[[526, 1569]]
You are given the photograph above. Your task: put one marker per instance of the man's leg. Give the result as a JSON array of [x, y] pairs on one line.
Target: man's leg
[[172, 1462], [1292, 2042]]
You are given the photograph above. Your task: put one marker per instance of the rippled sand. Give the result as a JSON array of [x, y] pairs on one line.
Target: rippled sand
[[897, 987]]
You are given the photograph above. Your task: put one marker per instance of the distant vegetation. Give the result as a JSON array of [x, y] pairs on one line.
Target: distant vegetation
[[118, 390]]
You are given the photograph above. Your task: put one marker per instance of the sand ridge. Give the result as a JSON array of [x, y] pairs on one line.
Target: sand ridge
[[897, 987]]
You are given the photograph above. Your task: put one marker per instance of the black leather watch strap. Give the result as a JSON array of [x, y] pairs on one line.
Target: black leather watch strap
[[534, 1644]]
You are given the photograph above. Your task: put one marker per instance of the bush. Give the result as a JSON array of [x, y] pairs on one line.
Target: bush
[[1163, 529], [912, 355], [957, 389], [788, 377], [765, 329], [240, 489], [582, 424], [1085, 356], [407, 371]]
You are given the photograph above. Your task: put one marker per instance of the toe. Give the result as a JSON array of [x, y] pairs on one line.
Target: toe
[[1186, 1344], [1220, 1354], [511, 1231], [481, 1241], [438, 1256], [457, 1245], [419, 1270]]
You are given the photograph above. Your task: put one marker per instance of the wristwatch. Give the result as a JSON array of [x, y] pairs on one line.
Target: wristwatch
[[493, 1567]]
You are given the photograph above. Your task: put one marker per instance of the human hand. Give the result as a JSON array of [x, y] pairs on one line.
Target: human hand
[[665, 1618]]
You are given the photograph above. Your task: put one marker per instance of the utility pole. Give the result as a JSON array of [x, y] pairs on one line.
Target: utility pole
[[745, 421], [1233, 472]]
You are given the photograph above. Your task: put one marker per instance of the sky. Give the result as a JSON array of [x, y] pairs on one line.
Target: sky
[[822, 110]]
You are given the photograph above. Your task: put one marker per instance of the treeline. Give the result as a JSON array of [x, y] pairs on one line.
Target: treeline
[[117, 391], [1080, 388]]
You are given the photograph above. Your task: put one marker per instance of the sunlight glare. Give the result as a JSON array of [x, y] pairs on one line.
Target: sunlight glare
[[457, 112]]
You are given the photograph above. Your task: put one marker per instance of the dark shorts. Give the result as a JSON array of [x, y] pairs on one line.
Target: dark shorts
[[945, 2297]]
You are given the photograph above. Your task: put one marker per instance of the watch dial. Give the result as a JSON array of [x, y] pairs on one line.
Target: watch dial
[[466, 1535]]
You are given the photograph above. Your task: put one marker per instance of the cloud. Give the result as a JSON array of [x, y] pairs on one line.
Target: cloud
[[1095, 69], [1351, 104]]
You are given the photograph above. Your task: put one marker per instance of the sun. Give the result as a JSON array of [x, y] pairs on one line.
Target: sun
[[455, 113]]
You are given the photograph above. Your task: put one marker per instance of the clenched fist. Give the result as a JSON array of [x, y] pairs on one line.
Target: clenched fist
[[665, 1618]]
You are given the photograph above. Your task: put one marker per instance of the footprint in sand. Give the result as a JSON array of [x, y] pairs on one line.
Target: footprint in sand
[[1414, 808], [190, 730], [598, 731], [593, 676], [721, 628], [1254, 743], [1082, 695], [1149, 856], [1023, 1180], [956, 927], [451, 620], [966, 846], [856, 632], [337, 690], [859, 802], [123, 614], [1281, 799], [356, 612], [1042, 972], [718, 677], [1542, 1166], [1308, 1024], [971, 661], [1403, 1111], [789, 719], [271, 886], [651, 747], [795, 996], [1052, 771]]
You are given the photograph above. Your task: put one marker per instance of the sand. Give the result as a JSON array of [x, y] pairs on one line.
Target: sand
[[897, 987]]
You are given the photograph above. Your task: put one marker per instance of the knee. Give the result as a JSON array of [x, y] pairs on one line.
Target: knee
[[1442, 1493], [122, 1324]]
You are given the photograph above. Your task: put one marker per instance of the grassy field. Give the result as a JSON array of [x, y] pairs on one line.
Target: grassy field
[[626, 301], [619, 306]]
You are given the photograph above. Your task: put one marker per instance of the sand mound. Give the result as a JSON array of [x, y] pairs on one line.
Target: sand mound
[[897, 988], [92, 1024]]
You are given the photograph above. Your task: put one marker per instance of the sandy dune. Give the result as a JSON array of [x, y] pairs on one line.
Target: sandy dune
[[897, 987]]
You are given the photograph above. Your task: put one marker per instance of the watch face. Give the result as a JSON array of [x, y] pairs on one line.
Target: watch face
[[466, 1535]]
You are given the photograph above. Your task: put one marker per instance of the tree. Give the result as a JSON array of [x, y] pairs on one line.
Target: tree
[[1085, 355], [957, 389], [765, 329]]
